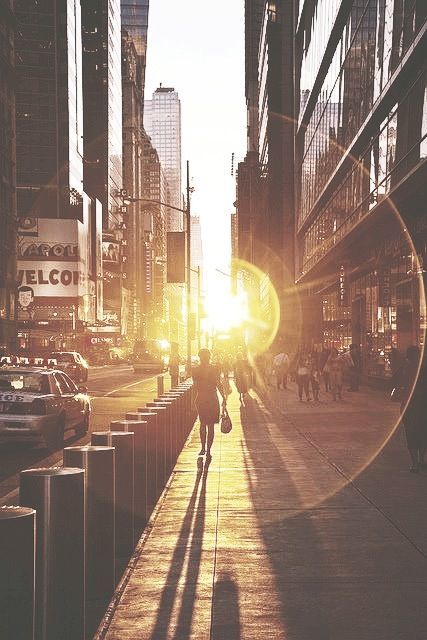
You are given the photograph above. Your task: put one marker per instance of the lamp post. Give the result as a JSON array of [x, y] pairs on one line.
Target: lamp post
[[187, 212]]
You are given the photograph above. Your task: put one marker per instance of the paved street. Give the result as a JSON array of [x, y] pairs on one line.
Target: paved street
[[113, 391], [290, 533]]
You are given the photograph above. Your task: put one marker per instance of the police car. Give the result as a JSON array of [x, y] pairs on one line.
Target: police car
[[39, 405]]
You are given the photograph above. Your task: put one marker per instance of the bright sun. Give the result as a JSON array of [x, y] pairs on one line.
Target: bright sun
[[225, 311]]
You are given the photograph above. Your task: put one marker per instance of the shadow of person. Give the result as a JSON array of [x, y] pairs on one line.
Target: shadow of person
[[169, 593], [225, 609], [183, 629]]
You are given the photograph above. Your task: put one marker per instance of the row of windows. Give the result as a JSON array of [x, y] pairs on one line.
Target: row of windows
[[394, 151], [374, 40]]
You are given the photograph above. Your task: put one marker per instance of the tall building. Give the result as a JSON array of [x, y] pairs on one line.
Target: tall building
[[361, 175], [49, 94], [162, 122], [102, 106], [196, 242], [133, 176], [265, 183], [103, 148], [57, 261], [254, 14], [155, 187], [135, 24], [7, 177]]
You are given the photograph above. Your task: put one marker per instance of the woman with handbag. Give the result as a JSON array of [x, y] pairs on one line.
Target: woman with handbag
[[206, 381]]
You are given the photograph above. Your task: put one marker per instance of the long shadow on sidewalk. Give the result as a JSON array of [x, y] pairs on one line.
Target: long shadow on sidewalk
[[191, 529], [277, 532], [343, 571], [225, 609]]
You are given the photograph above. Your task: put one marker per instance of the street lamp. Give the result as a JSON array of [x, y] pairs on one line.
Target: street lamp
[[187, 212]]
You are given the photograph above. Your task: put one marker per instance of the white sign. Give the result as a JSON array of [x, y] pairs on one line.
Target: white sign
[[50, 279]]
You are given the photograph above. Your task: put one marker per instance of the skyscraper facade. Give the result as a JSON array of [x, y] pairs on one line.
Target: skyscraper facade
[[49, 115], [7, 177], [103, 147], [102, 86], [162, 122], [361, 149], [135, 24], [57, 266], [265, 184]]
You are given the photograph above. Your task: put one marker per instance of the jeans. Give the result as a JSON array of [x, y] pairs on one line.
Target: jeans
[[303, 385]]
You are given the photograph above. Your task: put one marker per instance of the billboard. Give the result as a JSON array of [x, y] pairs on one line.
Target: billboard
[[111, 251], [176, 262], [50, 262]]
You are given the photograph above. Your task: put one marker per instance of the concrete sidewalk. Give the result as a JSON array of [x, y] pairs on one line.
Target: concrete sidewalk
[[289, 533]]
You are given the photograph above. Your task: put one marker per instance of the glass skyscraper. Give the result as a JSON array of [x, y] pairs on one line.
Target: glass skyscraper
[[361, 149], [135, 23], [162, 122]]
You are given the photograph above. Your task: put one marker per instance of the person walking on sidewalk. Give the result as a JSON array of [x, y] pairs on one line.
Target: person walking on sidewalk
[[242, 377], [206, 381], [353, 362], [335, 365], [303, 376], [324, 368], [414, 391], [315, 381], [281, 364]]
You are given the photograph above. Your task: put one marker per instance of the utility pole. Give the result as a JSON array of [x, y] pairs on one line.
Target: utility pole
[[188, 217], [199, 307]]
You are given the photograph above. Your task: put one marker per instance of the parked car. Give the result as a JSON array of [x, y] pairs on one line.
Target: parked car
[[72, 363], [39, 405]]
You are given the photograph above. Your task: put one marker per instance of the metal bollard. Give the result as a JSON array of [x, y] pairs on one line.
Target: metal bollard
[[160, 385], [173, 425], [139, 428], [175, 397], [57, 495], [17, 563], [162, 457], [153, 457], [98, 463], [123, 443], [167, 430]]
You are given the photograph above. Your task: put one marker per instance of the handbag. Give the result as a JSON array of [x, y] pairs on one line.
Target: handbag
[[226, 424]]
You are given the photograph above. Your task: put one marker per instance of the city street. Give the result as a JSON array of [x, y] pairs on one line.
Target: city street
[[113, 390]]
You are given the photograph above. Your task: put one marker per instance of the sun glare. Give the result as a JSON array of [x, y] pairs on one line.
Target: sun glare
[[226, 311]]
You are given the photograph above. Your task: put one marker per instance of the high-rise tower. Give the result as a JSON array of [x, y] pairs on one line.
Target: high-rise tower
[[162, 121]]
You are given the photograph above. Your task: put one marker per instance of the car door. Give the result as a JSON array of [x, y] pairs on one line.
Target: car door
[[77, 404], [67, 400]]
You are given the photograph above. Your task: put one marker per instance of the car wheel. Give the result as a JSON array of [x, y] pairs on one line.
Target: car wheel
[[56, 441], [82, 429]]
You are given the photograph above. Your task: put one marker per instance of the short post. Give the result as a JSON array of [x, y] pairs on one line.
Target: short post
[[160, 385], [139, 428], [17, 571], [98, 463], [57, 495], [153, 456], [123, 443], [162, 457]]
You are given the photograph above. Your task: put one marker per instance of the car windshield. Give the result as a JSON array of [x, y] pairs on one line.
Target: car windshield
[[23, 381], [63, 357]]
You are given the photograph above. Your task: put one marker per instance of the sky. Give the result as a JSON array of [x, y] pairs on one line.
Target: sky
[[198, 48]]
